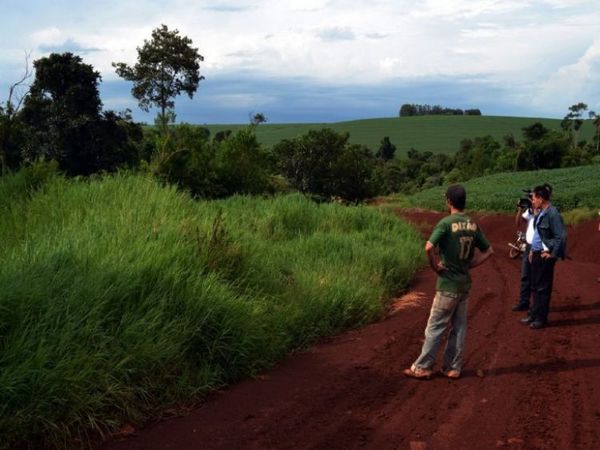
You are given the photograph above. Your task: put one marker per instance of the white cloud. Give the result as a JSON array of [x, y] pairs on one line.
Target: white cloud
[[573, 83], [47, 36], [389, 65], [466, 9], [530, 47]]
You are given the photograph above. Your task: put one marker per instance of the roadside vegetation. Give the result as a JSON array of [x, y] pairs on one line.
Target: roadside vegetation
[[121, 296]]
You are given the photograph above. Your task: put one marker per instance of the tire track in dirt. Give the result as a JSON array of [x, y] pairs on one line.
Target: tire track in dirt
[[521, 388]]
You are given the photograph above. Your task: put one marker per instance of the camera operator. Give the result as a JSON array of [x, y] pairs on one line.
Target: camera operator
[[548, 245], [525, 213]]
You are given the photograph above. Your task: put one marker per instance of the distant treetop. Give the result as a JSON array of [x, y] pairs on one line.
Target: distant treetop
[[407, 110]]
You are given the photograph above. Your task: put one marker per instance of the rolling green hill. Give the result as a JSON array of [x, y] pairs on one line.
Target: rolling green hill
[[439, 134]]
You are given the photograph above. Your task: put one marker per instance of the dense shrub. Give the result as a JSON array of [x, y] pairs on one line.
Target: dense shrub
[[322, 162], [184, 156], [242, 165]]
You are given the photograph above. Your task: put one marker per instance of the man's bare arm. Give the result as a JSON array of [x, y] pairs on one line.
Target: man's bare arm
[[437, 267]]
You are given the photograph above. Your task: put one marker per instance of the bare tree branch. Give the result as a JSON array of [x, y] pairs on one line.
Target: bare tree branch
[[13, 108]]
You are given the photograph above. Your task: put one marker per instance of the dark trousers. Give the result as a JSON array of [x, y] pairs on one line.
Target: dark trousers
[[525, 279], [542, 275]]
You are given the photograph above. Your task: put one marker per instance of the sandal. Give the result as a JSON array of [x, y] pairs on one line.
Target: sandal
[[418, 373], [452, 373]]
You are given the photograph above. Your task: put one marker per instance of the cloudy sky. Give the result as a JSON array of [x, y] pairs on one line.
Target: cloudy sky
[[331, 60]]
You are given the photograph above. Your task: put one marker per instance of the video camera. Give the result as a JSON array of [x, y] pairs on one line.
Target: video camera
[[525, 201]]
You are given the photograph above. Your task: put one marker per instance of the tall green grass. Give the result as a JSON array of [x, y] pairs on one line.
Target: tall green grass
[[576, 187], [120, 296]]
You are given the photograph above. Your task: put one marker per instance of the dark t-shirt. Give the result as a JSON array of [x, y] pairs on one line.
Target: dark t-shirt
[[457, 236]]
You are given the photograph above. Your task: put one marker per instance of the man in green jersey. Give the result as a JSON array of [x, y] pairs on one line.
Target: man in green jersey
[[456, 238]]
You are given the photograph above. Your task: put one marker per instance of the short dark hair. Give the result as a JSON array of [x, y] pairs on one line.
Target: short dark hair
[[547, 186], [542, 191], [457, 196]]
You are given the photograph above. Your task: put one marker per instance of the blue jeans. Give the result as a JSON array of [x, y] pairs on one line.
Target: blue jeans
[[447, 308]]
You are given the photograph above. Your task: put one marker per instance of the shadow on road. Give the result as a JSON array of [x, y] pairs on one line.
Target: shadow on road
[[594, 320], [554, 366], [573, 308]]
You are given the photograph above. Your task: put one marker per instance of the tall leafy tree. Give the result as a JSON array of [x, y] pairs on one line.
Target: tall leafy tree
[[167, 66], [65, 122]]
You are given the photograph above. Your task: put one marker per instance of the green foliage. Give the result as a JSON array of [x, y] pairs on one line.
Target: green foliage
[[242, 165], [476, 157], [64, 121], [575, 187], [324, 164], [167, 66], [386, 149], [419, 171], [388, 177], [120, 297], [542, 149], [12, 140], [184, 156], [17, 187]]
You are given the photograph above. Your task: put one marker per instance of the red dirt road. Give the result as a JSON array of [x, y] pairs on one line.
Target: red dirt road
[[521, 388]]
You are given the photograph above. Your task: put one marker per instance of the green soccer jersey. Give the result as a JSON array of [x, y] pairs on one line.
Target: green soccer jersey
[[457, 236]]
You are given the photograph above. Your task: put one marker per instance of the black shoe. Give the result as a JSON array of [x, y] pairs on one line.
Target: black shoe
[[527, 320], [537, 324], [519, 307]]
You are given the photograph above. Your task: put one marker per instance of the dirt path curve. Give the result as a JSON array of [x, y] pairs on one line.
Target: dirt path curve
[[521, 388]]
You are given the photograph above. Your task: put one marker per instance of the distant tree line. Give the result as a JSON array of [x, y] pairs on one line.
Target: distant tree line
[[408, 110]]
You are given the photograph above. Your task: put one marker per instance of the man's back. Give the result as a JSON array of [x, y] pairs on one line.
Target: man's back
[[457, 236]]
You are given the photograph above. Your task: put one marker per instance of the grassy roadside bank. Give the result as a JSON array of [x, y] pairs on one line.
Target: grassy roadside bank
[[120, 297]]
